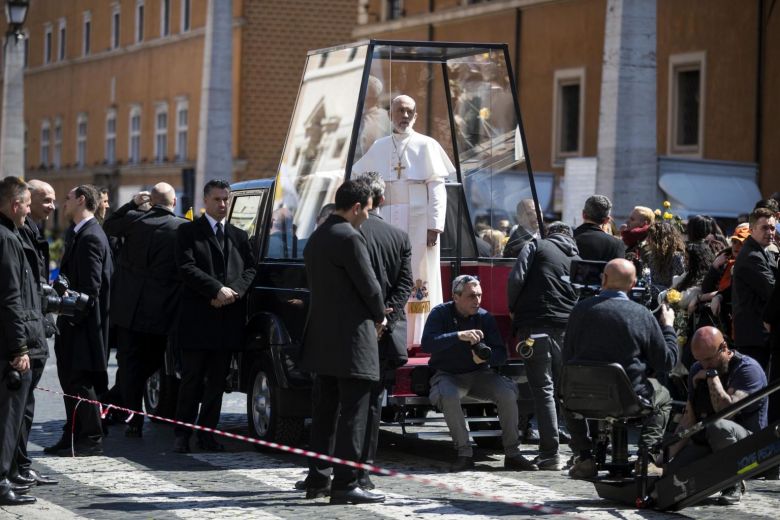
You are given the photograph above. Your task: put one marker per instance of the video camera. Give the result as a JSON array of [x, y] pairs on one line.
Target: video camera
[[585, 276], [60, 299]]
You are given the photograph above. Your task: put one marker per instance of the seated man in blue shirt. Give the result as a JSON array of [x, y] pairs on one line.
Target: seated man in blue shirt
[[719, 378], [454, 333]]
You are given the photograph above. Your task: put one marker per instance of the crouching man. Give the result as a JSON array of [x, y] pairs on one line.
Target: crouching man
[[458, 334]]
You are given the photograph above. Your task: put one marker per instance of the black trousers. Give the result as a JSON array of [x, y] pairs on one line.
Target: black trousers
[[374, 417], [202, 381], [12, 406], [142, 355], [82, 383], [338, 427], [22, 460]]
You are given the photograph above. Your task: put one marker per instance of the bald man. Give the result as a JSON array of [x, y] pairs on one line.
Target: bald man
[[610, 328], [42, 199], [145, 294], [719, 378]]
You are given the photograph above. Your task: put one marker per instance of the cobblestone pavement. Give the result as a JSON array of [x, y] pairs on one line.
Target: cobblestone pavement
[[142, 478]]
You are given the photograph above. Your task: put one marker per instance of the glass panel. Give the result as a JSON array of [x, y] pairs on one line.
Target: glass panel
[[494, 171], [688, 107], [324, 116], [245, 212]]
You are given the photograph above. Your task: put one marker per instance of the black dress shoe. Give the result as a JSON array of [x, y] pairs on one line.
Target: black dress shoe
[[9, 498], [355, 496], [20, 489], [317, 492], [181, 445], [134, 431], [64, 442], [364, 482], [85, 448], [22, 480], [462, 464], [210, 444], [519, 463], [41, 480]]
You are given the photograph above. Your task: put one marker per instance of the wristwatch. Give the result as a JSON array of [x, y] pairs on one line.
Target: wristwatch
[[711, 373]]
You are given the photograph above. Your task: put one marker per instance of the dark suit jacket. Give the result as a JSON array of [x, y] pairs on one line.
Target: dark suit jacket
[[595, 244], [35, 238], [146, 288], [346, 301], [751, 288], [390, 253], [204, 269], [87, 264]]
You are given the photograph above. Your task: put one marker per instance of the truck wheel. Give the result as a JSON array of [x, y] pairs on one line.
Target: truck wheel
[[262, 413], [160, 394]]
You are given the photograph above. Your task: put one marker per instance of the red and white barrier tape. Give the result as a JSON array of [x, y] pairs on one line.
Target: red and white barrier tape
[[105, 408]]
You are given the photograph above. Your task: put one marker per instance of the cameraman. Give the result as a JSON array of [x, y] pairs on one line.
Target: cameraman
[[610, 328], [21, 329], [464, 343]]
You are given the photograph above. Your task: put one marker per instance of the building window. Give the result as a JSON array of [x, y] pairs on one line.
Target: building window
[[134, 148], [568, 114], [161, 133], [182, 129], [47, 44], [87, 33], [81, 140], [115, 25], [45, 141], [394, 9], [57, 160], [111, 137], [186, 15], [62, 41], [139, 21], [686, 103], [165, 17]]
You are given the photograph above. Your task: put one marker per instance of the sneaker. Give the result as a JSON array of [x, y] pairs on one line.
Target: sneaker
[[584, 469], [553, 463], [519, 463], [732, 495]]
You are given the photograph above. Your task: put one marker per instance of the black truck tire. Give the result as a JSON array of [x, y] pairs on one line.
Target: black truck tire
[[160, 395], [262, 412]]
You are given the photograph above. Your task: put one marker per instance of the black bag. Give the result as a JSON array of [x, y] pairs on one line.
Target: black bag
[[421, 380]]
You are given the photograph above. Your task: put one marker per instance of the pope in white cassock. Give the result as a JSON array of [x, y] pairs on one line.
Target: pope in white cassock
[[414, 167]]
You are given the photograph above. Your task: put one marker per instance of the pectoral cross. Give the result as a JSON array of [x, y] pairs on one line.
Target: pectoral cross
[[399, 168]]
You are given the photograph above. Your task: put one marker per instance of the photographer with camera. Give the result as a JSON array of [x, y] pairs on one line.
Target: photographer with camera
[[540, 302], [611, 328], [465, 344], [21, 330], [36, 249], [81, 347]]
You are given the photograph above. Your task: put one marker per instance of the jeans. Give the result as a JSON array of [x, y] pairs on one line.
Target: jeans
[[447, 390], [719, 435], [543, 369]]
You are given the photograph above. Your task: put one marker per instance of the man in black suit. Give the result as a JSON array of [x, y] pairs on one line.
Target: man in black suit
[[146, 290], [340, 343], [36, 247], [390, 253], [217, 267], [21, 330], [82, 345], [593, 242]]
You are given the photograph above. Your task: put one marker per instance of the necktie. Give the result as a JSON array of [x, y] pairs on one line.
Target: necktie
[[220, 236]]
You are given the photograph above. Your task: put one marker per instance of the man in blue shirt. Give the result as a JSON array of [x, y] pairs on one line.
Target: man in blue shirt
[[719, 378], [454, 334]]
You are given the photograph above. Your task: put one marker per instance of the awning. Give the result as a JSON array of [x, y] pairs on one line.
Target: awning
[[714, 194]]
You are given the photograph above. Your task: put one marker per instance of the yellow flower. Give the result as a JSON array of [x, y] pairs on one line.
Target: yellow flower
[[668, 216], [657, 213], [673, 296], [484, 113], [667, 204]]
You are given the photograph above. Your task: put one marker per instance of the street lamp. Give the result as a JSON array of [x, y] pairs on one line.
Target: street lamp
[[12, 117], [16, 14]]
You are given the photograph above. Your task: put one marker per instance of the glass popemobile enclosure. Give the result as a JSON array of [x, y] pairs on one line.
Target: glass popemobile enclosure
[[441, 123]]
